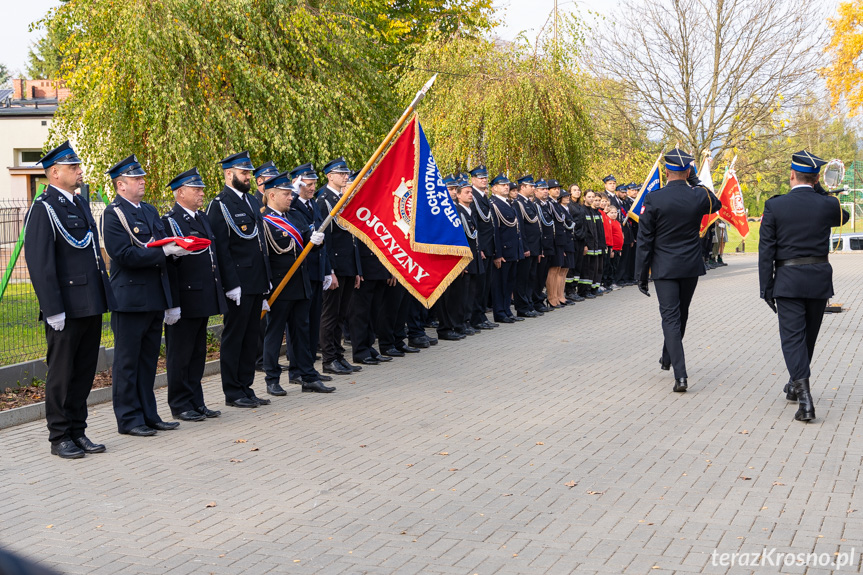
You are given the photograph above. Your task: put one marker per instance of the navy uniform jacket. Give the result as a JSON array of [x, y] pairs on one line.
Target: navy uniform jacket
[[469, 222], [373, 269], [196, 283], [797, 225], [531, 233], [668, 242], [546, 220], [482, 207], [242, 262], [310, 217], [298, 287], [342, 250], [576, 212], [65, 278], [565, 240], [507, 240], [139, 276]]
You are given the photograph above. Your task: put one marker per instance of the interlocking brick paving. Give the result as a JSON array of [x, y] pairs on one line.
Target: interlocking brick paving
[[550, 446]]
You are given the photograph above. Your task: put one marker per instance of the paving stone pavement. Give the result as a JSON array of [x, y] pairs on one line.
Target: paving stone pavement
[[550, 446]]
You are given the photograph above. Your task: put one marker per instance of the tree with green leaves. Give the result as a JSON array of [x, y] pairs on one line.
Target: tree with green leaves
[[515, 107], [183, 83], [4, 75]]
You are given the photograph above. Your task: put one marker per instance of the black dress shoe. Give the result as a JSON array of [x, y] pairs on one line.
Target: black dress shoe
[[789, 392], [349, 366], [544, 309], [142, 431], [449, 335], [383, 358], [276, 389], [370, 361], [260, 400], [505, 320], [577, 298], [295, 381], [337, 368], [432, 340], [491, 324], [529, 313], [664, 366], [419, 343], [316, 387], [806, 411], [164, 425], [284, 367], [469, 330], [190, 415], [517, 318], [680, 385], [242, 402], [88, 446], [407, 349], [393, 352], [207, 412], [68, 450], [324, 377]]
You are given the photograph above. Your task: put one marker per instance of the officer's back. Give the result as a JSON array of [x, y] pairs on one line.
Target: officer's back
[[670, 221]]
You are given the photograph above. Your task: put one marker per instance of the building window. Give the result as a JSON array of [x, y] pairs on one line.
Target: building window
[[29, 157]]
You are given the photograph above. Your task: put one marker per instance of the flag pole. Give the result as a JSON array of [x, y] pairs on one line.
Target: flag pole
[[349, 192]]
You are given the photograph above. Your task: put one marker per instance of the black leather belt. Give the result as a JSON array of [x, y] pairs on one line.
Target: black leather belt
[[802, 261]]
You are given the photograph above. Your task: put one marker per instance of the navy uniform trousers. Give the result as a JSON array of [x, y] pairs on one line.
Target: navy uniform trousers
[[185, 363], [799, 324], [502, 286], [289, 318], [674, 297]]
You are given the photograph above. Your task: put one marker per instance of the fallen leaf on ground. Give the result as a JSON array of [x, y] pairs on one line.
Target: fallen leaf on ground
[[444, 453], [49, 526], [570, 484], [212, 504], [240, 441], [448, 391], [540, 443], [507, 495], [778, 483], [453, 468], [744, 432], [744, 478], [254, 449], [236, 460], [409, 465], [363, 445], [595, 492]]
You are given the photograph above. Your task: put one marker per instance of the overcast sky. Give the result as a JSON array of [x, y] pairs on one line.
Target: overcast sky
[[517, 15]]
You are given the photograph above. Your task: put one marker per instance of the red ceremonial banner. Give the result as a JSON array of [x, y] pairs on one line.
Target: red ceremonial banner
[[379, 213], [190, 243], [733, 209]]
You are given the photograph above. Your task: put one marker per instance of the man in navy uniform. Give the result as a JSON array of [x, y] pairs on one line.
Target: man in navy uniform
[[235, 216], [795, 277], [482, 205], [139, 278], [344, 259], [546, 222], [305, 206], [286, 234], [68, 275], [506, 249], [197, 293], [261, 174], [531, 237], [669, 251]]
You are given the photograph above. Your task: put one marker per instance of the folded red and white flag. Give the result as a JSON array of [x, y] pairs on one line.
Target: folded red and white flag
[[189, 243]]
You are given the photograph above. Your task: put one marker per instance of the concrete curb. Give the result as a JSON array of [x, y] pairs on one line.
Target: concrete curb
[[36, 411]]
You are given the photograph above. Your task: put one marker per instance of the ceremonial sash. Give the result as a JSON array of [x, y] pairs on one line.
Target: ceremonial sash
[[284, 225]]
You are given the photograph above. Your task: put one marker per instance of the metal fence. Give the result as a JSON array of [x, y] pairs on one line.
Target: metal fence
[[22, 335]]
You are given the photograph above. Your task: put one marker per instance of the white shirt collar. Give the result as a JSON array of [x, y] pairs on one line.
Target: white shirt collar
[[802, 186], [466, 208], [131, 202], [335, 191], [69, 196], [240, 194]]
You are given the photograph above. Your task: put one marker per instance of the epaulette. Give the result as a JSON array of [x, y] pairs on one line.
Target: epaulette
[[41, 197]]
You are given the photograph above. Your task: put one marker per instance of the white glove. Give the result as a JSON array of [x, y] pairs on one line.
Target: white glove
[[172, 315], [317, 238], [234, 295], [57, 322], [174, 250], [328, 281], [265, 306]]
